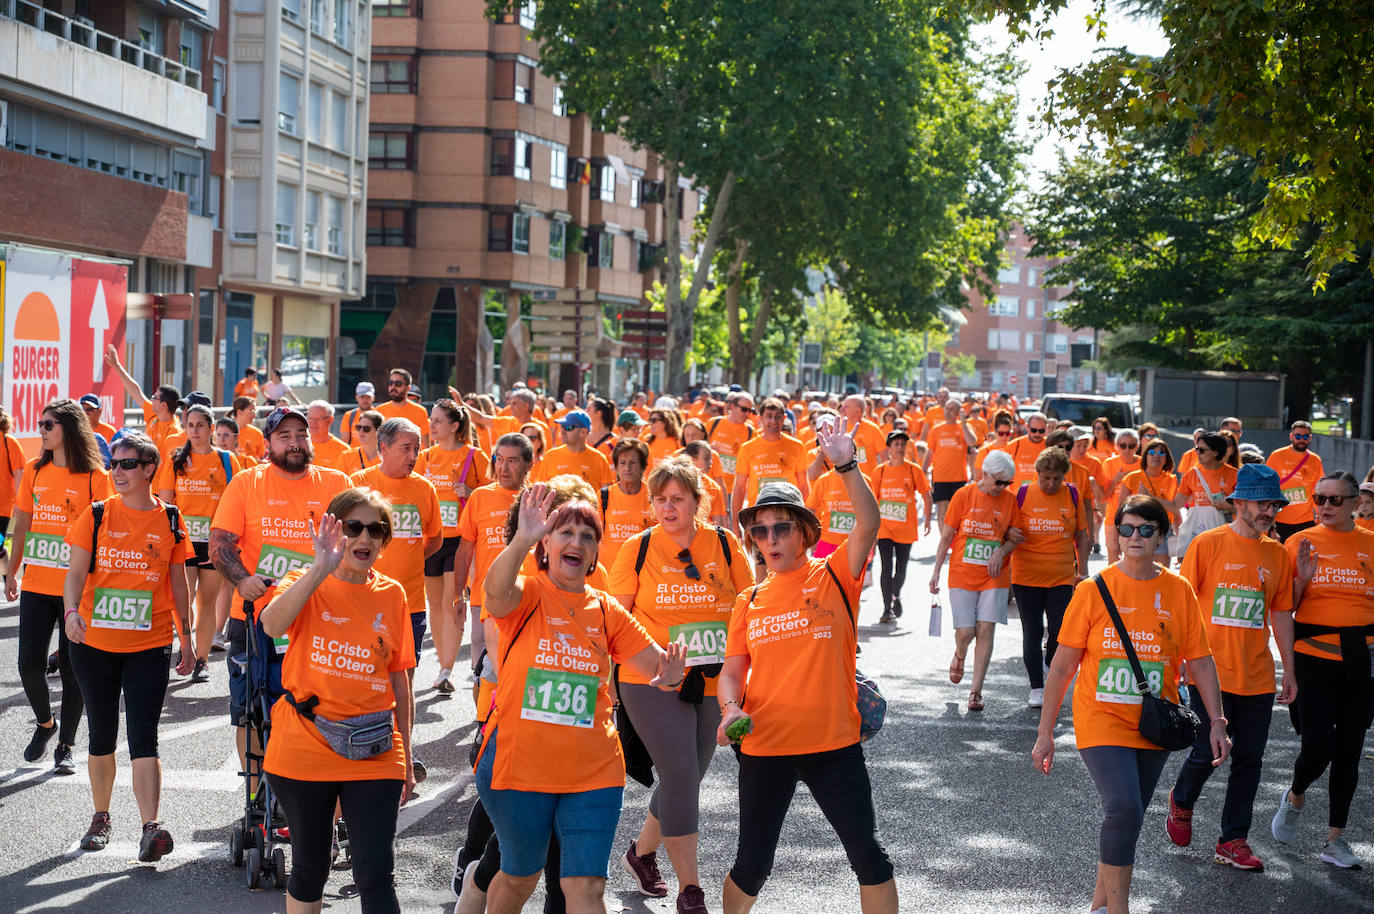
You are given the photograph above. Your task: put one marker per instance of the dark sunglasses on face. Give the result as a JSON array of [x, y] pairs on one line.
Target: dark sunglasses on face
[[1005, 434], [1128, 445], [1297, 437], [364, 428], [395, 383], [1035, 431], [127, 463], [1155, 452], [1334, 501], [1001, 483], [685, 556], [354, 528], [47, 425], [760, 532], [1126, 531]]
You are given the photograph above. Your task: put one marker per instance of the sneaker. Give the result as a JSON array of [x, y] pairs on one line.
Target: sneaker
[[155, 843], [644, 869], [1179, 826], [1237, 853], [460, 866], [691, 900], [38, 743], [97, 837], [343, 859], [443, 685], [896, 611], [1097, 549], [62, 761], [1285, 824], [1036, 698], [1338, 853], [53, 663], [418, 769], [202, 671], [473, 900], [887, 619], [218, 643]]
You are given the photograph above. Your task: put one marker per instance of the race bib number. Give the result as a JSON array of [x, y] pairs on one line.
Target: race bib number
[[197, 528], [841, 521], [727, 463], [979, 552], [896, 511], [46, 550], [408, 526], [280, 644], [1116, 680], [765, 480], [1296, 495], [705, 641], [558, 697], [131, 610], [448, 513], [1238, 607], [275, 562], [861, 454]]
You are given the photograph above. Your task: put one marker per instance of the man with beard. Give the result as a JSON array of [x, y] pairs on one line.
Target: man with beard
[[264, 523], [1299, 470], [416, 534], [398, 404]]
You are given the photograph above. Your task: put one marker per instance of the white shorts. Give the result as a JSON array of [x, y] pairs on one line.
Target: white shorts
[[970, 606]]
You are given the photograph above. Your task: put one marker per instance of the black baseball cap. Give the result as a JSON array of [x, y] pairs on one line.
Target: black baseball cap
[[279, 415]]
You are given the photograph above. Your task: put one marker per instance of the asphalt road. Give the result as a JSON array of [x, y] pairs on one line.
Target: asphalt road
[[971, 827]]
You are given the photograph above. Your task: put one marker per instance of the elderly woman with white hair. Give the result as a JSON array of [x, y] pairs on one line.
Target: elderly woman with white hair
[[977, 527]]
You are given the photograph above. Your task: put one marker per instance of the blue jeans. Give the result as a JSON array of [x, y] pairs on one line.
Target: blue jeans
[[1247, 723]]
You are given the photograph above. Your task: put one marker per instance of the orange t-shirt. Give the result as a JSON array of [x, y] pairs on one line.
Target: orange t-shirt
[[1163, 486], [246, 387], [483, 523], [590, 464], [624, 516], [1165, 627], [127, 601], [14, 460], [271, 515], [979, 426], [1187, 461], [829, 501], [1025, 452], [1222, 481], [1049, 555], [157, 429], [196, 490], [251, 442], [1078, 477], [761, 461], [330, 453], [1110, 468], [1341, 592], [355, 459], [896, 489], [606, 445], [1240, 583], [104, 430], [674, 607], [415, 518], [1102, 449], [346, 430], [406, 409], [800, 643], [660, 449], [980, 522], [948, 452], [553, 704], [55, 497], [343, 646], [443, 468], [1298, 480], [870, 445], [982, 454], [725, 438], [713, 494], [1365, 523], [1092, 472]]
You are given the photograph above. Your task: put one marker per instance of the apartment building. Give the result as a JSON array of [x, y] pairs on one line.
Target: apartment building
[[484, 192]]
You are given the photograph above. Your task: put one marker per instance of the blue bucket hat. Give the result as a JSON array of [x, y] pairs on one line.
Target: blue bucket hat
[[1257, 482]]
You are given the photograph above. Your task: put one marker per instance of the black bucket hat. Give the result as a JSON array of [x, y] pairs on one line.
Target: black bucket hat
[[780, 495]]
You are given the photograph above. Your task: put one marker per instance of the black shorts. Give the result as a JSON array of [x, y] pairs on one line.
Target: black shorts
[[200, 557], [944, 491], [4, 526], [441, 562], [417, 628], [237, 652]]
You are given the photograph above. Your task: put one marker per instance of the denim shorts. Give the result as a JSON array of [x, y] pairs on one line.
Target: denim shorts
[[524, 821]]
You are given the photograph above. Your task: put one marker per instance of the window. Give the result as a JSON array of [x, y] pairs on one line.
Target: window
[[1004, 339], [391, 150], [558, 168], [558, 240], [205, 334], [524, 158], [312, 220], [149, 31], [286, 214], [603, 182], [338, 121], [288, 102], [527, 11], [336, 211], [216, 188], [186, 177], [343, 24], [1030, 307], [192, 48], [513, 79], [499, 229], [1009, 275], [247, 93], [217, 76], [1033, 278], [521, 236], [560, 107], [314, 113], [634, 191], [303, 360], [1031, 345], [319, 16], [291, 9], [388, 8], [391, 226], [503, 155], [1005, 306], [605, 250], [394, 75], [1059, 343], [243, 211]]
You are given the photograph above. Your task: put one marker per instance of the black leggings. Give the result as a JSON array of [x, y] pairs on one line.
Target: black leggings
[[141, 677], [838, 780], [895, 557], [369, 808], [1333, 728], [1033, 605], [38, 614]]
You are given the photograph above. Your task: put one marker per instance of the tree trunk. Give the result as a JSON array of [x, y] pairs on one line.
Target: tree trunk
[[1297, 390], [746, 360], [679, 312], [739, 356]]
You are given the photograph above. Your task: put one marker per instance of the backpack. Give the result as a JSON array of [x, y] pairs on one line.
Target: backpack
[[228, 463], [644, 547], [98, 517]]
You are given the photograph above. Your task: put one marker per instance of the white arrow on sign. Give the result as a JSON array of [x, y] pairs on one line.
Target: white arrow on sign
[[100, 322]]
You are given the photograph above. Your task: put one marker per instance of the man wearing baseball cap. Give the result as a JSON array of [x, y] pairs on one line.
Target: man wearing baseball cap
[[366, 395], [1244, 586], [90, 404], [573, 456]]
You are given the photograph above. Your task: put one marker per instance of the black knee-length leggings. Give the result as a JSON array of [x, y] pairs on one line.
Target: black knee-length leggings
[[39, 613], [894, 557]]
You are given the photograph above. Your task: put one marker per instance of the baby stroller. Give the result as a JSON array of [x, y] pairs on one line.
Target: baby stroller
[[254, 836]]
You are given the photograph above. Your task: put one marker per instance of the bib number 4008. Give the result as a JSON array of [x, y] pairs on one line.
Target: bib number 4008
[[1116, 681]]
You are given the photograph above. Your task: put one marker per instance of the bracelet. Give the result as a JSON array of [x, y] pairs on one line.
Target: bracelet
[[674, 685], [847, 467], [74, 609], [731, 702]]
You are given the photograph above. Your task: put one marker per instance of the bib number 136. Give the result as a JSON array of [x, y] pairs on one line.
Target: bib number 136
[[557, 697]]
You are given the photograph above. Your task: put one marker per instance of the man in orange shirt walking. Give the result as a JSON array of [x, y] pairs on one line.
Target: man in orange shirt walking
[[947, 457], [399, 406], [1026, 449], [573, 456], [1299, 470]]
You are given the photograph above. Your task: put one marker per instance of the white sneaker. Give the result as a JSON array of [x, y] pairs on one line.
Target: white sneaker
[[1285, 824], [472, 900], [1036, 699], [1338, 853]]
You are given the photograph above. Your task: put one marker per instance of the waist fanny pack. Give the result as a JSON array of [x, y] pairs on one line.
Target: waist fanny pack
[[354, 738]]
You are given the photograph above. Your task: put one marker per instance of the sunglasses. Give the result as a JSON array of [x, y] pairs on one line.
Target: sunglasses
[[1334, 501], [685, 556], [1001, 483], [1035, 431], [760, 532], [1302, 437], [128, 463], [1126, 531], [395, 383], [377, 529], [1154, 452], [48, 425], [1004, 434], [1128, 446], [364, 428]]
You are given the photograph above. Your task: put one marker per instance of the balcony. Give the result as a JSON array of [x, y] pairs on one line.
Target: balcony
[[73, 59]]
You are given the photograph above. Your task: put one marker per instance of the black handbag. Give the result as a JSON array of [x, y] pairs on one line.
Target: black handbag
[[639, 764], [1167, 725]]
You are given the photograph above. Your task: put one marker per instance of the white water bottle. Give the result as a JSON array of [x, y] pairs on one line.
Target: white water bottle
[[935, 617]]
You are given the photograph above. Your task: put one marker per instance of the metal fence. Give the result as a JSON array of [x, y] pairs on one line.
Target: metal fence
[[1354, 455]]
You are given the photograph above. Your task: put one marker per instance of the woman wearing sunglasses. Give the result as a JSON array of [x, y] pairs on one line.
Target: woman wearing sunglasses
[[65, 477], [1116, 468], [349, 648], [1103, 445], [1156, 479], [119, 623], [1203, 490], [1333, 623], [1003, 430], [1166, 628], [365, 455], [793, 639], [975, 535], [679, 579]]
